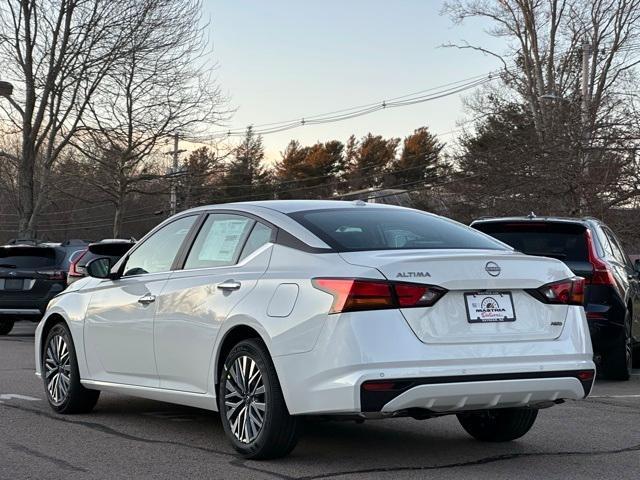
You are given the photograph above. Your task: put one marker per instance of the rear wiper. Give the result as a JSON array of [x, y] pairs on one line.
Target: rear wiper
[[7, 265]]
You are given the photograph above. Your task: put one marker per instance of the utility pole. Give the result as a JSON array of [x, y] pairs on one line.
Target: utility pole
[[174, 172], [586, 92], [584, 110]]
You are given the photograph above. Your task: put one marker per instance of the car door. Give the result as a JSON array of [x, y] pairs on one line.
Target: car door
[[629, 277], [118, 328], [228, 256]]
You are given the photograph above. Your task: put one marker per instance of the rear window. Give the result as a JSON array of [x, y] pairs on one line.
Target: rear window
[[27, 257], [566, 242], [88, 256], [358, 229]]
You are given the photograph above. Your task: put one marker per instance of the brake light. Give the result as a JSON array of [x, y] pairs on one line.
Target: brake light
[[601, 273], [52, 274], [564, 292], [73, 266], [350, 294]]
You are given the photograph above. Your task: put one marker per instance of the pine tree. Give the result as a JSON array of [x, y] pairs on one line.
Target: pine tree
[[246, 177], [419, 161], [310, 172], [369, 160]]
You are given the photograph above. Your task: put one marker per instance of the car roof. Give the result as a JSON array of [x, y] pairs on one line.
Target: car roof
[[289, 206], [276, 212]]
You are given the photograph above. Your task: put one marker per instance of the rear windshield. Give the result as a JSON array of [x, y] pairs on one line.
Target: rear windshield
[[563, 241], [27, 257], [350, 230]]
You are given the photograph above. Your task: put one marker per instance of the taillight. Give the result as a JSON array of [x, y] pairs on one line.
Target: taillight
[[601, 273], [52, 274], [351, 294], [73, 266], [416, 295], [564, 292]]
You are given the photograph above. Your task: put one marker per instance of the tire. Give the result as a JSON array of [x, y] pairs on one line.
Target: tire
[[6, 326], [249, 391], [61, 376], [498, 425], [617, 361]]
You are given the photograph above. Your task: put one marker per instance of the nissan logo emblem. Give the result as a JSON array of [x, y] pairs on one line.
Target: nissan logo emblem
[[493, 269]]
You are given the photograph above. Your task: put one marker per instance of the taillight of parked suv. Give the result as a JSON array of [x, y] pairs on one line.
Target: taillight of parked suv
[[602, 274], [75, 272]]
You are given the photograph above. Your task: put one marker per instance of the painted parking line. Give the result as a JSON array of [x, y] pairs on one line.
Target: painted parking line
[[17, 396], [614, 396]]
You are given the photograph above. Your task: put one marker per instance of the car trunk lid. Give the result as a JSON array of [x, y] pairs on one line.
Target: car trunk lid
[[500, 276]]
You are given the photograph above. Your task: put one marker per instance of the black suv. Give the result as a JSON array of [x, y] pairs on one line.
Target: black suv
[[591, 250], [31, 274]]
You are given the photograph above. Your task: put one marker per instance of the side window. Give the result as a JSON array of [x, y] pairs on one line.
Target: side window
[[618, 252], [219, 241], [604, 241], [260, 235], [158, 251]]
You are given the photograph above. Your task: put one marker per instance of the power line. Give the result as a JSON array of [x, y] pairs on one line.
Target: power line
[[358, 111]]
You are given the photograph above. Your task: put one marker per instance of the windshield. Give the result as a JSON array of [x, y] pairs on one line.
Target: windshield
[[358, 229]]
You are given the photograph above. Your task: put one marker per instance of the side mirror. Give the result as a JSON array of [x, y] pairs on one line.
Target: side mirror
[[99, 267]]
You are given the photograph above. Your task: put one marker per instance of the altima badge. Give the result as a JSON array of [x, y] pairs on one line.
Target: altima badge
[[413, 275], [493, 269]]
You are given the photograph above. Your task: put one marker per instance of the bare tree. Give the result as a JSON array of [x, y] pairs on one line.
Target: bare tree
[[542, 67], [57, 52], [161, 85]]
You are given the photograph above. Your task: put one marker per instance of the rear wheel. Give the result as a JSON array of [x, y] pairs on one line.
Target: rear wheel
[[499, 425], [252, 408], [618, 360], [6, 326], [61, 376]]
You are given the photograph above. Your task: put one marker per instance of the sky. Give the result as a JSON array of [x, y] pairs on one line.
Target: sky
[[288, 59]]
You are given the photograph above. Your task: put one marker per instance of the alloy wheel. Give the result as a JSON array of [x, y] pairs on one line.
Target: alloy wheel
[[245, 400], [57, 366]]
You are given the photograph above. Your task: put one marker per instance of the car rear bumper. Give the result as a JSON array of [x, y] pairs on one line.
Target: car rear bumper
[[23, 312], [473, 392], [27, 309], [357, 348]]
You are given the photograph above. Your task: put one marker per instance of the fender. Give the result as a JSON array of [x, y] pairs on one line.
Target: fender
[[71, 307]]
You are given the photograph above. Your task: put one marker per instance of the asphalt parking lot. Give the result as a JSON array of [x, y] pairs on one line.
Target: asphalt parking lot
[[133, 438]]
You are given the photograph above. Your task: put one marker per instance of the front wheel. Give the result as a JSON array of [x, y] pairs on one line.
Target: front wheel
[[499, 425], [6, 326], [252, 408], [61, 376]]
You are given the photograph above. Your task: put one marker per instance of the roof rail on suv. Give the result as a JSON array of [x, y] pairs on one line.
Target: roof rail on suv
[[73, 242], [24, 241]]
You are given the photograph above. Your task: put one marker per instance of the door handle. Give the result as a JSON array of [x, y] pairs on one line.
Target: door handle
[[229, 285], [147, 299]]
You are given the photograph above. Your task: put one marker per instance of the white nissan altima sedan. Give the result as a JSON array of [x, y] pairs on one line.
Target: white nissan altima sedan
[[272, 311]]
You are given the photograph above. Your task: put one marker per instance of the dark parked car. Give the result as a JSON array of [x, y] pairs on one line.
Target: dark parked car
[[592, 251], [31, 274], [112, 248]]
